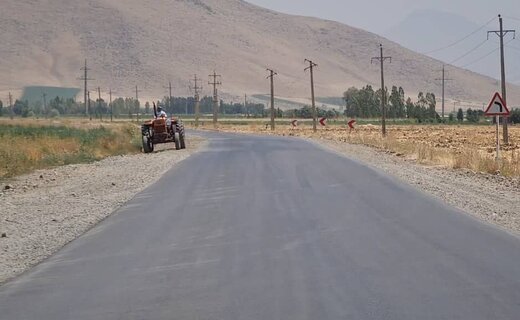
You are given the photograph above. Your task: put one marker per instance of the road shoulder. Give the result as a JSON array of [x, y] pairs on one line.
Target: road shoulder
[[491, 198], [44, 210]]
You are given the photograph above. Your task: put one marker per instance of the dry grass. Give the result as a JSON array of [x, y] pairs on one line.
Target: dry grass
[[470, 147], [26, 145]]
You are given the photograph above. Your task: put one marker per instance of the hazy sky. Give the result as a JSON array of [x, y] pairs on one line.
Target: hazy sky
[[378, 15]]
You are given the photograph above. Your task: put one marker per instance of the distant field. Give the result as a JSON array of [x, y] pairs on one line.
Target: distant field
[[455, 146], [26, 145]]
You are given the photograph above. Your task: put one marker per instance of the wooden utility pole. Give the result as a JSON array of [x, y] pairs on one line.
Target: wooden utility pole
[[311, 67], [99, 104], [246, 110], [214, 82], [111, 106], [443, 80], [45, 104], [11, 111], [272, 73], [137, 101], [501, 34], [170, 97], [88, 106], [85, 78], [382, 59], [196, 90]]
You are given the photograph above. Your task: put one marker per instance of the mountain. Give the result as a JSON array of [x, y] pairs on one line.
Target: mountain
[[429, 30], [149, 42]]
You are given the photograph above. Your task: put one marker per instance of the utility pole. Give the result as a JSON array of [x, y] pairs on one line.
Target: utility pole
[[111, 106], [382, 59], [196, 89], [99, 103], [215, 83], [443, 79], [88, 106], [311, 67], [272, 73], [245, 106], [85, 78], [501, 34], [45, 104], [170, 101], [11, 111], [137, 101]]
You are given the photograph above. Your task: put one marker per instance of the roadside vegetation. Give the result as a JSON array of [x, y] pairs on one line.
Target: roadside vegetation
[[29, 145]]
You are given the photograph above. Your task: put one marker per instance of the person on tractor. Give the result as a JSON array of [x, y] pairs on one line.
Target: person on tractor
[[161, 113]]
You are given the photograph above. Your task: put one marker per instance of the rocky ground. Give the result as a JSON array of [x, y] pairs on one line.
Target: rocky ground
[[42, 211], [492, 198]]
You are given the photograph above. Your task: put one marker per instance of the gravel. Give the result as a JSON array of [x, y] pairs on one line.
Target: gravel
[[44, 210], [492, 198]]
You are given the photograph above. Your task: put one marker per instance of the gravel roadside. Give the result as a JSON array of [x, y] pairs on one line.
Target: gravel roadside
[[491, 198], [44, 210]]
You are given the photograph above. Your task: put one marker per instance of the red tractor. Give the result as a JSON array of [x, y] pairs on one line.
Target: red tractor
[[162, 130]]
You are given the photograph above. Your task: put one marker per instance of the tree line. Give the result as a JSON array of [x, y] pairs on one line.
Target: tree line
[[126, 107], [366, 103]]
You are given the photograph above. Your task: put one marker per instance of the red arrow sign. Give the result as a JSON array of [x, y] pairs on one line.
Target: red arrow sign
[[323, 121], [351, 124], [294, 123]]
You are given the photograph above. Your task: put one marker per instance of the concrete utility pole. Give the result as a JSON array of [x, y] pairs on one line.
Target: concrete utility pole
[[311, 67], [443, 79], [45, 104], [272, 73], [501, 34], [382, 59], [85, 78], [11, 111], [196, 90], [215, 83]]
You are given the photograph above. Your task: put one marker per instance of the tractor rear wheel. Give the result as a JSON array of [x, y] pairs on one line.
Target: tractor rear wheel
[[177, 139], [181, 136], [147, 144]]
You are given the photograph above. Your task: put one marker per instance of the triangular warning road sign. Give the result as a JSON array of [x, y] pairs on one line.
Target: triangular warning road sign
[[497, 107]]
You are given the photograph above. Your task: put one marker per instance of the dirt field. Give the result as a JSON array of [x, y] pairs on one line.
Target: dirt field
[[471, 147]]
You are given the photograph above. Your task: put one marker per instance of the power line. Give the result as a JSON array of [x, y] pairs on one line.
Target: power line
[[512, 18], [469, 52], [462, 39], [481, 58]]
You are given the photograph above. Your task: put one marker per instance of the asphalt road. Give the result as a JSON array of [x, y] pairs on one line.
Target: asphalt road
[[276, 228]]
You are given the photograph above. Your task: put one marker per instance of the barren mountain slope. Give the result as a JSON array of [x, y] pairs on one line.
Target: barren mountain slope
[[148, 42]]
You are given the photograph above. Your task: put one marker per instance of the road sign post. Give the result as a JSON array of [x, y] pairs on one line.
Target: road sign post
[[497, 107], [497, 118]]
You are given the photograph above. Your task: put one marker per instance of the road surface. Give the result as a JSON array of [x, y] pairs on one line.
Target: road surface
[[276, 228]]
